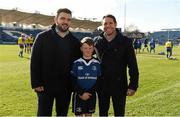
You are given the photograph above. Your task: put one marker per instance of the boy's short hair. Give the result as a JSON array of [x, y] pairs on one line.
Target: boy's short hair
[[87, 40]]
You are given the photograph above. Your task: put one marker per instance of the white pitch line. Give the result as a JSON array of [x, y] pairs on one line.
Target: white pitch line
[[153, 93], [154, 57]]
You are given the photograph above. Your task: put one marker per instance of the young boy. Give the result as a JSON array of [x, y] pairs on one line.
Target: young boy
[[85, 72]]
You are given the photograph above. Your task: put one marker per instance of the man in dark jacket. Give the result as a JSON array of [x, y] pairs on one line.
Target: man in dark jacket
[[116, 53], [53, 53]]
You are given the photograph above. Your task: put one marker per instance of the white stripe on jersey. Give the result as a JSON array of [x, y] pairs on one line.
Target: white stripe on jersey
[[87, 64]]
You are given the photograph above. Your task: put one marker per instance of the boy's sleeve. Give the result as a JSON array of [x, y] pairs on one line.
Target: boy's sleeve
[[76, 87], [94, 88]]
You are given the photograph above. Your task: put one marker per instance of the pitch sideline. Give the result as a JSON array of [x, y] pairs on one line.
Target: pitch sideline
[[153, 93]]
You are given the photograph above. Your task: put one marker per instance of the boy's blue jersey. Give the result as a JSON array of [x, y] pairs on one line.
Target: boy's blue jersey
[[85, 73]]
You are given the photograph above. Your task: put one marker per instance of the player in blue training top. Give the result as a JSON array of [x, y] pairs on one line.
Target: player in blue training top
[[85, 72], [152, 45], [146, 45]]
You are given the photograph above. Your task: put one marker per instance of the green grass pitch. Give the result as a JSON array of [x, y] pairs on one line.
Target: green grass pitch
[[158, 93]]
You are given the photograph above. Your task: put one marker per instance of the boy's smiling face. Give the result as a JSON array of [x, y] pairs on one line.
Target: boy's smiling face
[[87, 50]]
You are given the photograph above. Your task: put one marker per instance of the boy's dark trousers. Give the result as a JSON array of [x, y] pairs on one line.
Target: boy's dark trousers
[[45, 104]]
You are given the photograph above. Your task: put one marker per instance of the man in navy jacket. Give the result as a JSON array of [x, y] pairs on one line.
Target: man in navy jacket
[[116, 53], [53, 53]]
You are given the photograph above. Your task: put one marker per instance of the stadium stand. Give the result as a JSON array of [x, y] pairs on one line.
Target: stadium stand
[[10, 35], [9, 16], [12, 25], [163, 36], [80, 28]]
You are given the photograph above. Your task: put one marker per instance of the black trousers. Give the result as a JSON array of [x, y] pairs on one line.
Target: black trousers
[[118, 104], [45, 104], [169, 52]]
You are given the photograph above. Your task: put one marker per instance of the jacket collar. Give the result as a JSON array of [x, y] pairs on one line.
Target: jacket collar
[[53, 27], [118, 34]]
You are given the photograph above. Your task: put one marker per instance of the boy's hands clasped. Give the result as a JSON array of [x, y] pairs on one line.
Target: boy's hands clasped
[[39, 89], [85, 96]]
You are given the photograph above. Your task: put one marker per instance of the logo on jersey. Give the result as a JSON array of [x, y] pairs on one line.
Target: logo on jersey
[[94, 68], [87, 74], [78, 109], [80, 67]]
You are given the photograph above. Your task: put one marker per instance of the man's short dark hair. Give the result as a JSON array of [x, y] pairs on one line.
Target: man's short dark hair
[[110, 16], [65, 10], [87, 40]]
